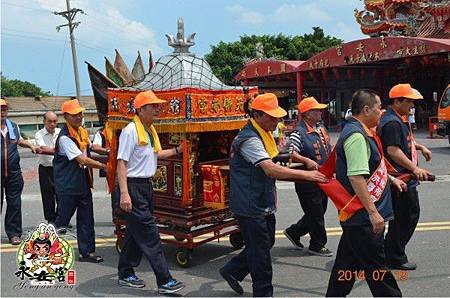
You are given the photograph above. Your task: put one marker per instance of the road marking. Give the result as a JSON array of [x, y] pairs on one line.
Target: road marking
[[333, 231]]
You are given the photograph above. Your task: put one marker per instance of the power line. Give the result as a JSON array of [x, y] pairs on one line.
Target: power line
[[28, 32], [30, 36], [35, 35], [81, 42], [71, 92], [70, 14], [61, 67], [102, 50]]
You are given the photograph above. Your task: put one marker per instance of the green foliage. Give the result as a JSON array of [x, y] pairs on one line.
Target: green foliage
[[227, 59], [20, 88]]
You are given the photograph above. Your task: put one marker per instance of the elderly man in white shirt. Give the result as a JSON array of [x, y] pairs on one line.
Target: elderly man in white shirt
[[45, 139]]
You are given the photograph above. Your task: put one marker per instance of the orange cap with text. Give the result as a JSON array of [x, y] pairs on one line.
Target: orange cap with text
[[268, 103], [72, 107], [310, 103], [145, 98], [404, 91]]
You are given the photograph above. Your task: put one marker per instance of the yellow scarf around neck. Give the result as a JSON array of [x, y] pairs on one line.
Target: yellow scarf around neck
[[267, 139], [80, 134], [143, 134]]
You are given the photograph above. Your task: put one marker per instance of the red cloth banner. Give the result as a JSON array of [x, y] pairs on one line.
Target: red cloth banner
[[346, 204], [213, 186]]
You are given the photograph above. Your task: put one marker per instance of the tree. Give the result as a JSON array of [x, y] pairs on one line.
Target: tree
[[20, 88], [227, 59]]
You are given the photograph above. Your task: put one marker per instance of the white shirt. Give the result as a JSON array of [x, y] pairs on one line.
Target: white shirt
[[44, 138], [68, 148], [141, 160], [97, 139]]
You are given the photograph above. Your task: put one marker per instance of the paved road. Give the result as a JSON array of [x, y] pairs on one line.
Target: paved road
[[295, 272]]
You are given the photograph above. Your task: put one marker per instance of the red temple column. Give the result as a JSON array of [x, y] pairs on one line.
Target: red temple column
[[299, 87]]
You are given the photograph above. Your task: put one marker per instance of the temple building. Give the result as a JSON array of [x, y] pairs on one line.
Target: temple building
[[409, 42]]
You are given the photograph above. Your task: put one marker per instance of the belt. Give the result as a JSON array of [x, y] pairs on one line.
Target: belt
[[139, 180]]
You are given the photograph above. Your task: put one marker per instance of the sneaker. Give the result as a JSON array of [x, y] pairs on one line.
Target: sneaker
[[232, 282], [131, 281], [171, 286], [296, 242], [323, 252]]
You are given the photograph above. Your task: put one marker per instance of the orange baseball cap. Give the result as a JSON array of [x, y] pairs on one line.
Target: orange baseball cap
[[145, 98], [404, 91], [72, 107], [310, 103], [3, 102], [268, 103]]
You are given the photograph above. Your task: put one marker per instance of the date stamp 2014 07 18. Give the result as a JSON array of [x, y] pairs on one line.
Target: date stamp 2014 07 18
[[376, 275]]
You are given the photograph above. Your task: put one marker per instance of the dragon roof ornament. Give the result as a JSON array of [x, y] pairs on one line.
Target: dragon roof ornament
[[422, 18], [180, 44]]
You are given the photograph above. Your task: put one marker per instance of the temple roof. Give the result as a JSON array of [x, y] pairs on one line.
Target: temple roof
[[422, 18], [267, 67], [182, 70]]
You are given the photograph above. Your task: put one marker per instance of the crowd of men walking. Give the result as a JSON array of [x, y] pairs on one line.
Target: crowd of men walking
[[371, 176]]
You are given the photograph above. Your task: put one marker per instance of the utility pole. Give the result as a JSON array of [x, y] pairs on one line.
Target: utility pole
[[70, 16]]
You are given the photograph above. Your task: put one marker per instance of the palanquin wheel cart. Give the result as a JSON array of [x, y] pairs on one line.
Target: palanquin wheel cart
[[190, 189]]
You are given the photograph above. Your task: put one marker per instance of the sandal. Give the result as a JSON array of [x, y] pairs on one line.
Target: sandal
[[15, 240], [91, 258]]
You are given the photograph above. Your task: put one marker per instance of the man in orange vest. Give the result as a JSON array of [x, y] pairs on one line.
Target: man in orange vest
[[400, 150]]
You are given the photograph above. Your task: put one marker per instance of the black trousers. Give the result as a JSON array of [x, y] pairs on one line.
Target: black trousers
[[259, 237], [49, 198], [406, 216], [314, 205], [12, 187], [68, 204], [142, 235], [361, 251]]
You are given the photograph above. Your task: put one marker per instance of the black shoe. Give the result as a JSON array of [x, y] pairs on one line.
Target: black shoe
[[61, 230], [323, 252], [232, 282], [404, 266], [296, 242]]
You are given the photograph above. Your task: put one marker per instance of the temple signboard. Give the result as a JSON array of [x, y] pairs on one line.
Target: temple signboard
[[371, 50]]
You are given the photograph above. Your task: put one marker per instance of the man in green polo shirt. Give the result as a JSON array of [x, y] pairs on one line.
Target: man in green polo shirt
[[360, 254]]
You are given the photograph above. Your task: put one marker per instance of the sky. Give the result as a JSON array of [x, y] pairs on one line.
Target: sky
[[32, 49]]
